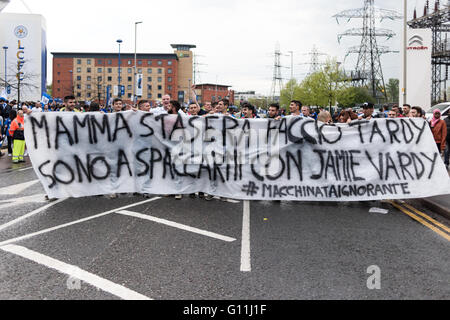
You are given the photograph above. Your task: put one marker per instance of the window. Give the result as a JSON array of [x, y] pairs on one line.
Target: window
[[159, 62], [109, 61], [59, 81], [129, 95], [130, 70], [99, 79], [88, 61], [58, 65], [59, 73], [79, 86], [99, 61], [169, 88], [88, 94], [139, 70], [159, 79], [89, 70], [99, 70], [169, 62], [109, 78], [159, 71], [159, 95], [119, 79], [78, 69], [159, 87], [169, 79], [59, 89], [139, 62], [169, 70], [149, 70], [129, 87], [88, 87], [79, 78], [109, 70], [78, 94], [149, 79], [78, 61], [88, 78], [130, 79], [129, 62], [149, 62], [149, 95], [149, 87]]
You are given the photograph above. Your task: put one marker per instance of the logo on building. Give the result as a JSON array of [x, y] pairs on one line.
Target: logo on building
[[416, 43], [20, 32]]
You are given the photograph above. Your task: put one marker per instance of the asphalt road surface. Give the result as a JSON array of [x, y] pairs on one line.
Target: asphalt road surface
[[160, 248]]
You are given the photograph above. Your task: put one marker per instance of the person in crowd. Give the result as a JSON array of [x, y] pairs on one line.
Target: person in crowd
[[69, 104], [2, 135], [16, 131], [368, 112], [207, 108], [94, 107], [7, 125], [222, 107], [325, 117], [144, 105], [193, 109], [249, 111], [415, 112], [439, 129], [392, 114], [447, 143], [346, 116], [397, 111], [406, 110], [117, 105], [274, 111], [294, 108], [306, 112]]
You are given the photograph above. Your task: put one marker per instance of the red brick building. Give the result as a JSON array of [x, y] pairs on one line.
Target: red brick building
[[213, 92], [89, 76]]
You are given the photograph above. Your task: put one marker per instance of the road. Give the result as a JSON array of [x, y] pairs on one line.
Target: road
[[160, 248]]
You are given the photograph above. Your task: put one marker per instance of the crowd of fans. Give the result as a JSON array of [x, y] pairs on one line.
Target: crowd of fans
[[12, 116]]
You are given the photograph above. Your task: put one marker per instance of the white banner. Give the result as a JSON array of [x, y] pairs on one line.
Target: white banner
[[85, 154]]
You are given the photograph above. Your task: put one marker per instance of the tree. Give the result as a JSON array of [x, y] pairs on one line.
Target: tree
[[318, 89], [392, 90], [351, 96], [19, 80]]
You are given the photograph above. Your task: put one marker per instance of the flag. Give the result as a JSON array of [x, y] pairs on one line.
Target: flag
[[45, 99]]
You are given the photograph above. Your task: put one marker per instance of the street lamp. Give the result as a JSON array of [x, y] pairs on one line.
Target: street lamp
[[119, 88], [5, 48], [135, 45]]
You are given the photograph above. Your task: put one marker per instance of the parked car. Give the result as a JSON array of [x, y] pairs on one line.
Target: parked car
[[444, 107]]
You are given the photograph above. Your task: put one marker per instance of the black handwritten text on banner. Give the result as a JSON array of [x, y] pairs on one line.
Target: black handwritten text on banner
[[87, 154]]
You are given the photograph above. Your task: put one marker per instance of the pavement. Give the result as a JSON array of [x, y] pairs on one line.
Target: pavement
[[131, 247]]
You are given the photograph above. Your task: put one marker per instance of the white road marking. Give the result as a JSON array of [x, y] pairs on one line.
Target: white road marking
[[25, 169], [17, 201], [32, 213], [73, 271], [245, 244], [74, 222], [17, 188], [176, 225]]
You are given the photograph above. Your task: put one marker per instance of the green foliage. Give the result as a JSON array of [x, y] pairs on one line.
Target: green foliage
[[318, 89], [351, 96], [392, 90]]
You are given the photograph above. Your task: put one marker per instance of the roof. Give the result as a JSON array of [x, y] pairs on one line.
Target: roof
[[106, 55], [211, 84], [189, 46]]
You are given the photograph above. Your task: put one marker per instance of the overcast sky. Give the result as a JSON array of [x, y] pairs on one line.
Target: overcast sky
[[235, 39]]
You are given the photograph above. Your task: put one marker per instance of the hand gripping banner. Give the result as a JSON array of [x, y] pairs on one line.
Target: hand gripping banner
[[86, 154]]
